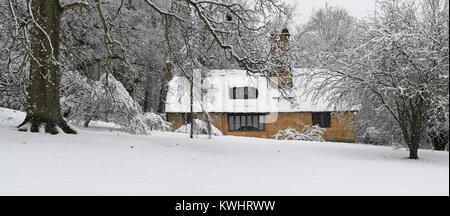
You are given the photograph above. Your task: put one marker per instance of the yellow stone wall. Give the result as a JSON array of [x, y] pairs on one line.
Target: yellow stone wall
[[338, 132]]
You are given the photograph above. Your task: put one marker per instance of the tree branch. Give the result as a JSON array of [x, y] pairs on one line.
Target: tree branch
[[73, 5]]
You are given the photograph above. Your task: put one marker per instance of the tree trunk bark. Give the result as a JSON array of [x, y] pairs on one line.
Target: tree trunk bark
[[208, 119], [192, 106], [414, 145], [413, 152], [86, 122], [44, 107], [163, 97], [412, 139], [165, 88], [148, 94]]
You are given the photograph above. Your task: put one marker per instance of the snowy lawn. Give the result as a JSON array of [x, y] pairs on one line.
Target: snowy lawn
[[110, 162]]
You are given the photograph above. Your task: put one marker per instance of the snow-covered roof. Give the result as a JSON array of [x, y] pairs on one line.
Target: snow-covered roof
[[216, 94]]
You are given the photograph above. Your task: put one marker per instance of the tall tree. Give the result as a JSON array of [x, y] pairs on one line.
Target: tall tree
[[43, 99], [397, 68], [38, 23]]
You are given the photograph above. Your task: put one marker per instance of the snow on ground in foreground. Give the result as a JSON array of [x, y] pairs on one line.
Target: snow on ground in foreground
[[111, 162]]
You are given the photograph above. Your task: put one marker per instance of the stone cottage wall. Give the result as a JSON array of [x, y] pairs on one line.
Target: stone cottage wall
[[340, 131]]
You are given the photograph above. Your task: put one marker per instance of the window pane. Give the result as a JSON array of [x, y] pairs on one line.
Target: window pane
[[252, 93], [231, 123], [243, 93], [315, 119], [322, 120], [246, 93], [246, 122], [327, 120], [239, 93], [262, 121], [243, 123], [255, 122], [249, 123]]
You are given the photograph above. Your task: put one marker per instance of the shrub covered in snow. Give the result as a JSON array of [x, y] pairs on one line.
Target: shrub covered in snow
[[439, 139], [200, 127], [157, 122], [13, 99], [308, 133], [13, 89], [375, 137], [106, 100]]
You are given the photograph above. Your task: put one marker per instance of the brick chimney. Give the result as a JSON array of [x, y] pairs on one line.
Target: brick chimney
[[280, 52], [284, 39]]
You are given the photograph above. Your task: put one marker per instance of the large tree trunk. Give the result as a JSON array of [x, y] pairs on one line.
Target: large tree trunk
[[413, 151], [163, 96], [412, 141], [165, 88], [414, 144], [412, 138], [148, 94], [44, 107]]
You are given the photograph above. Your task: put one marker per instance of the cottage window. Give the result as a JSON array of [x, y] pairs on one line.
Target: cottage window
[[246, 93], [231, 125], [243, 122], [246, 122], [243, 93], [187, 118], [322, 119], [262, 123]]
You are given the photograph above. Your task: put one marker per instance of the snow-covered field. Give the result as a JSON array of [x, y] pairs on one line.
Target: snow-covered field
[[102, 161]]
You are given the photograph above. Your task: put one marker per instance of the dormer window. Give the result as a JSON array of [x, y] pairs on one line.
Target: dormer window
[[243, 93]]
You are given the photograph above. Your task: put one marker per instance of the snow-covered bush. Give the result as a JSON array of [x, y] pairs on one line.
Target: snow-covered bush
[[156, 122], [200, 127], [308, 133], [440, 141], [106, 100], [13, 90], [375, 137], [13, 99]]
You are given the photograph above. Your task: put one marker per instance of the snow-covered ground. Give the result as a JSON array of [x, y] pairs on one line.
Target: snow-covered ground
[[111, 162]]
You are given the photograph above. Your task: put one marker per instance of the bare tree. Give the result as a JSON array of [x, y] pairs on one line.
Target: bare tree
[[396, 68]]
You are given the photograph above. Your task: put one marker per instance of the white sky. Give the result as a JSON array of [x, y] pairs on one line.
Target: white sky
[[356, 8]]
